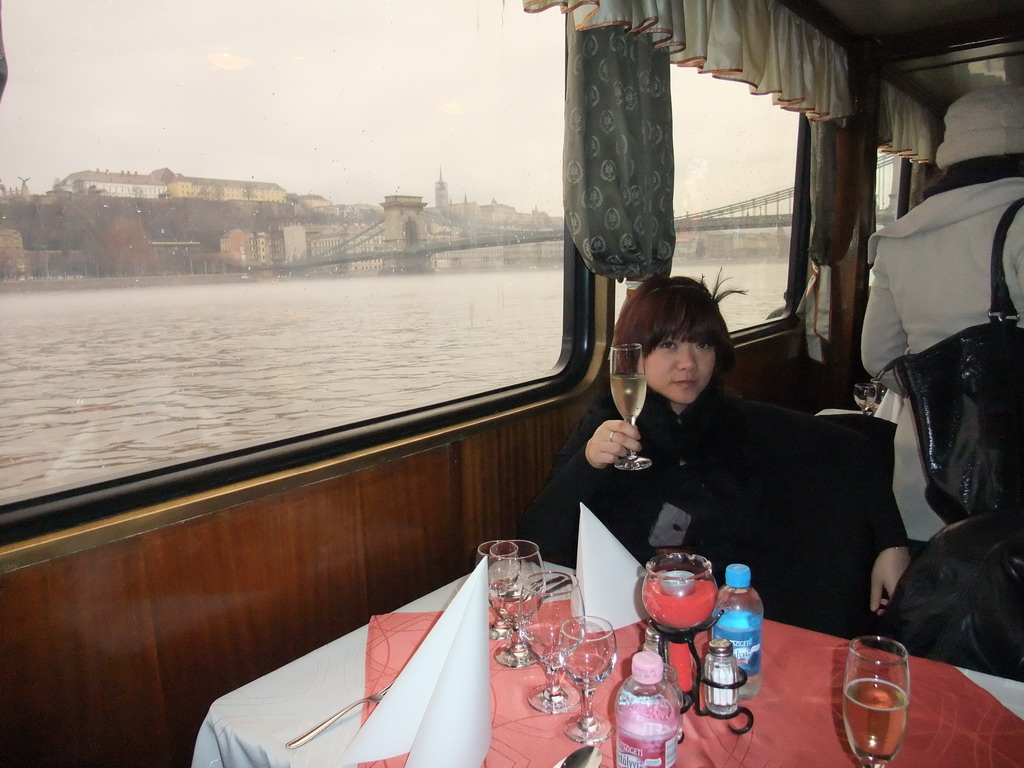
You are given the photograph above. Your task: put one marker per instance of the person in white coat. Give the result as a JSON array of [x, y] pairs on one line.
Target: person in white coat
[[931, 268]]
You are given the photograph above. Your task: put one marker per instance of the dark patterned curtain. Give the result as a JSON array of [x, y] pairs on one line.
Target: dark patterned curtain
[[618, 159], [817, 307]]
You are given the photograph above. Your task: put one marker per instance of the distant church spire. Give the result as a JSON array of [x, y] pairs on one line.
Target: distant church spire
[[441, 190]]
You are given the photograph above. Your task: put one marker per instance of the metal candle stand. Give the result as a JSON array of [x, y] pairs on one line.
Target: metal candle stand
[[686, 637]]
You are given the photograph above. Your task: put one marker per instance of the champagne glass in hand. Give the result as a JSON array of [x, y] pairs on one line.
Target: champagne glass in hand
[[510, 561], [876, 695], [548, 599], [588, 654], [629, 390]]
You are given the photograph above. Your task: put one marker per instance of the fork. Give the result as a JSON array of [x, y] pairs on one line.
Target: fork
[[317, 730]]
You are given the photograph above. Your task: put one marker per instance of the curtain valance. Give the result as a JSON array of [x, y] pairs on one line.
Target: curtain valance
[[758, 42], [905, 127]]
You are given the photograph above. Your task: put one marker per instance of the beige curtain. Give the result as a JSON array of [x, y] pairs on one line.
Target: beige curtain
[[905, 127], [758, 42]]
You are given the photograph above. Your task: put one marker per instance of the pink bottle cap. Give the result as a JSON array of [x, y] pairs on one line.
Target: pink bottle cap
[[648, 668]]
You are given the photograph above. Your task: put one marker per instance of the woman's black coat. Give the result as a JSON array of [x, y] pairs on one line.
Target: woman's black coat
[[806, 503]]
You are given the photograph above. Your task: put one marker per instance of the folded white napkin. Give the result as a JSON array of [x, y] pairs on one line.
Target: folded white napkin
[[439, 707], [610, 578]]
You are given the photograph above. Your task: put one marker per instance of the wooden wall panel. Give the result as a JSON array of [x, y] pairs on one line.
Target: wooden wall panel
[[75, 650], [411, 529], [112, 656], [776, 370], [502, 470]]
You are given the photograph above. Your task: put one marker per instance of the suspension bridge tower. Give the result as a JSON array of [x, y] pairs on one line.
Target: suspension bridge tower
[[404, 227]]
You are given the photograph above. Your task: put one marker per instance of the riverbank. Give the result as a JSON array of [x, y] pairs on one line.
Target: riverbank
[[80, 284]]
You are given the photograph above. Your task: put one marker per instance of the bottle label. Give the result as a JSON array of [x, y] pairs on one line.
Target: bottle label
[[746, 642], [638, 752]]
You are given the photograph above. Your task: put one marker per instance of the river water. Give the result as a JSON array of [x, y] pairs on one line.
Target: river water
[[100, 382]]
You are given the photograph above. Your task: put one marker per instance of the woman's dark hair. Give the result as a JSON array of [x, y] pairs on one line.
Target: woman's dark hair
[[678, 308]]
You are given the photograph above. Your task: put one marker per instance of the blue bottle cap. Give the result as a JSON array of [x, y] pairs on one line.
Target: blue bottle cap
[[737, 576]]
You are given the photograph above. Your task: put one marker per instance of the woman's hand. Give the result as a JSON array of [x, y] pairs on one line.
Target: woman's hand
[[612, 440], [885, 574]]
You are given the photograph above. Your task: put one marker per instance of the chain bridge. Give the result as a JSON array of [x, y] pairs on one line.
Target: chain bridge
[[411, 251]]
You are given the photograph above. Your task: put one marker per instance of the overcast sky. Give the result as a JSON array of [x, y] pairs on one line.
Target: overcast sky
[[350, 100]]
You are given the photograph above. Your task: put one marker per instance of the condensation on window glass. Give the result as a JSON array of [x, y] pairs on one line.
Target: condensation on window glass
[[230, 223], [735, 156]]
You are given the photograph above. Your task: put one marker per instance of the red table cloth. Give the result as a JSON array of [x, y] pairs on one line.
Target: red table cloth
[[798, 717]]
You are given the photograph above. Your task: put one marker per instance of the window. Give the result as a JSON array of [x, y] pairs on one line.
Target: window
[[888, 177], [229, 224], [735, 158]]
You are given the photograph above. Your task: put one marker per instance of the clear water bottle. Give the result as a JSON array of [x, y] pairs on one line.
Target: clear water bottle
[[741, 623], [646, 716]]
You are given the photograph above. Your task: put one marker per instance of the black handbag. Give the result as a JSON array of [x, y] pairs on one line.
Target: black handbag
[[967, 397], [961, 601]]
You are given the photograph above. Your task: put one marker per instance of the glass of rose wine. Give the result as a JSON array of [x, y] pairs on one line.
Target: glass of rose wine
[[876, 695], [629, 390]]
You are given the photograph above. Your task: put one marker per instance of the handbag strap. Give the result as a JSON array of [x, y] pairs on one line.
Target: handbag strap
[[1002, 308]]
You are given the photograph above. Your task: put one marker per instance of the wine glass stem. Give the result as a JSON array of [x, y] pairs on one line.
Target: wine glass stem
[[587, 720], [630, 453], [553, 675], [516, 645]]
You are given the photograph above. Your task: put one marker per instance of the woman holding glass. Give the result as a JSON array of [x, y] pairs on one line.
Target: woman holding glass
[[799, 499]]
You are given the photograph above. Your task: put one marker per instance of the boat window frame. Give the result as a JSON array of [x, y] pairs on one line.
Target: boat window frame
[[66, 508], [60, 509]]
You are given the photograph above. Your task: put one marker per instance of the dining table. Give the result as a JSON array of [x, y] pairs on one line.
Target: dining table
[[957, 717]]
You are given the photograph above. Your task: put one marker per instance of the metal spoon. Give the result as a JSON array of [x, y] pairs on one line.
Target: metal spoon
[[584, 757], [317, 730]]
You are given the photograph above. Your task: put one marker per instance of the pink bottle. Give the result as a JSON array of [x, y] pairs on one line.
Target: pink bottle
[[646, 716]]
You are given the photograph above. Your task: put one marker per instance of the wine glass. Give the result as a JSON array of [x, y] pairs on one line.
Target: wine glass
[[510, 561], [880, 390], [549, 598], [876, 693], [498, 626], [587, 647], [629, 390], [865, 395]]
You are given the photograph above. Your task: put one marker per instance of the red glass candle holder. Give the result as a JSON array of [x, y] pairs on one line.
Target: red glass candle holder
[[679, 591]]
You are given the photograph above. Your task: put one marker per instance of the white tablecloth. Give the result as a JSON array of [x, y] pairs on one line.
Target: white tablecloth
[[248, 728]]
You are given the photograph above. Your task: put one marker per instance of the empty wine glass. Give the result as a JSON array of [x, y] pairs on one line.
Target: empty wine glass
[[629, 391], [498, 626], [876, 694], [865, 395], [510, 561], [588, 654], [549, 598], [880, 390]]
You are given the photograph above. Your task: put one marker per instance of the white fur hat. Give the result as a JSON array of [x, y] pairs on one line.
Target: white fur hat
[[983, 123]]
